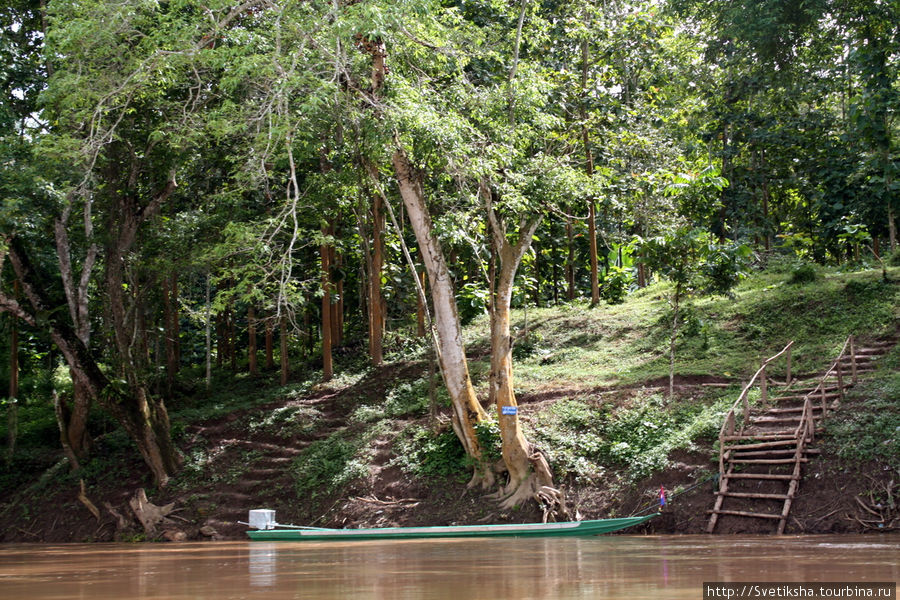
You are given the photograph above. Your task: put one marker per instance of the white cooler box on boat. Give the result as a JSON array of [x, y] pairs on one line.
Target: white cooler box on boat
[[262, 518]]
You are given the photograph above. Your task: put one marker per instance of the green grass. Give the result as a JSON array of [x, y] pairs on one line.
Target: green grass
[[576, 346], [583, 440], [868, 426], [329, 465]]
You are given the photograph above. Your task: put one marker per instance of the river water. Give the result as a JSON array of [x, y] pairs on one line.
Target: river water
[[633, 567]]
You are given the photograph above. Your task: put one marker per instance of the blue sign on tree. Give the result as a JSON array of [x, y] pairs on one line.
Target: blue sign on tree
[[509, 410]]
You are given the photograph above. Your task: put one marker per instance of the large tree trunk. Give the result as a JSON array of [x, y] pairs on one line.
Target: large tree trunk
[[76, 431], [75, 427], [529, 473], [143, 418], [467, 411]]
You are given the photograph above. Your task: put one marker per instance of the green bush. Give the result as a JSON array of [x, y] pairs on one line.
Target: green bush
[[418, 451], [583, 440], [802, 274], [488, 434], [615, 284]]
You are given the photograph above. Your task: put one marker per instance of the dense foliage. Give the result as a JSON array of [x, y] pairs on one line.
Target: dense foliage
[[191, 187]]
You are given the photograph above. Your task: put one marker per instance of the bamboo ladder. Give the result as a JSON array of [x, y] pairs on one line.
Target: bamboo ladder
[[745, 441]]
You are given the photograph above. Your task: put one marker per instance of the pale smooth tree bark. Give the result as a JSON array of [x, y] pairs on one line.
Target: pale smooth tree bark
[[529, 473], [467, 411], [72, 417]]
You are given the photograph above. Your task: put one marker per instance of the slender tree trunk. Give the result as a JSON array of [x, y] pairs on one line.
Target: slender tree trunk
[[676, 307], [570, 261], [726, 172], [555, 271], [537, 277], [376, 302], [765, 202], [208, 327], [168, 320], [420, 308], [270, 343], [176, 322], [251, 341], [221, 348], [12, 408], [337, 317], [589, 169], [231, 336], [327, 365], [467, 411], [592, 233], [285, 364]]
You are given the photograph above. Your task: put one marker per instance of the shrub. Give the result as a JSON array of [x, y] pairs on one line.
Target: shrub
[[616, 284], [803, 273], [423, 453]]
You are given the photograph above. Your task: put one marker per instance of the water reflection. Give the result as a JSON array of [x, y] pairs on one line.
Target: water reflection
[[263, 560], [596, 567]]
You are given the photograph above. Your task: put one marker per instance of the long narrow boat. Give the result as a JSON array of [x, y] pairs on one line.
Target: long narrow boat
[[569, 528]]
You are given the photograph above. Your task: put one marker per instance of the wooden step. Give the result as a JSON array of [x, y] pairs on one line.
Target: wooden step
[[771, 434], [762, 436], [756, 445], [776, 419], [860, 359], [743, 513], [806, 390], [766, 461], [803, 396], [753, 495], [792, 409], [773, 452], [772, 476], [846, 370]]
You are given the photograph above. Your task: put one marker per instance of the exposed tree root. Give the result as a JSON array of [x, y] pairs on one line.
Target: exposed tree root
[[538, 486], [121, 521], [148, 513], [82, 497]]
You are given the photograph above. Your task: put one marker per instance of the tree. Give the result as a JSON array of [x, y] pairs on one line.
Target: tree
[[694, 264]]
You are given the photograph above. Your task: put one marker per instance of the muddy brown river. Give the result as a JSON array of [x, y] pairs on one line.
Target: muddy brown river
[[633, 567]]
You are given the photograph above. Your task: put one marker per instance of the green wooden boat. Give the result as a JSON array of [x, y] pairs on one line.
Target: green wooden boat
[[569, 528]]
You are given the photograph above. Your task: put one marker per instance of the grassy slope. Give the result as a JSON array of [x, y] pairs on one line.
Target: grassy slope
[[590, 382]]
